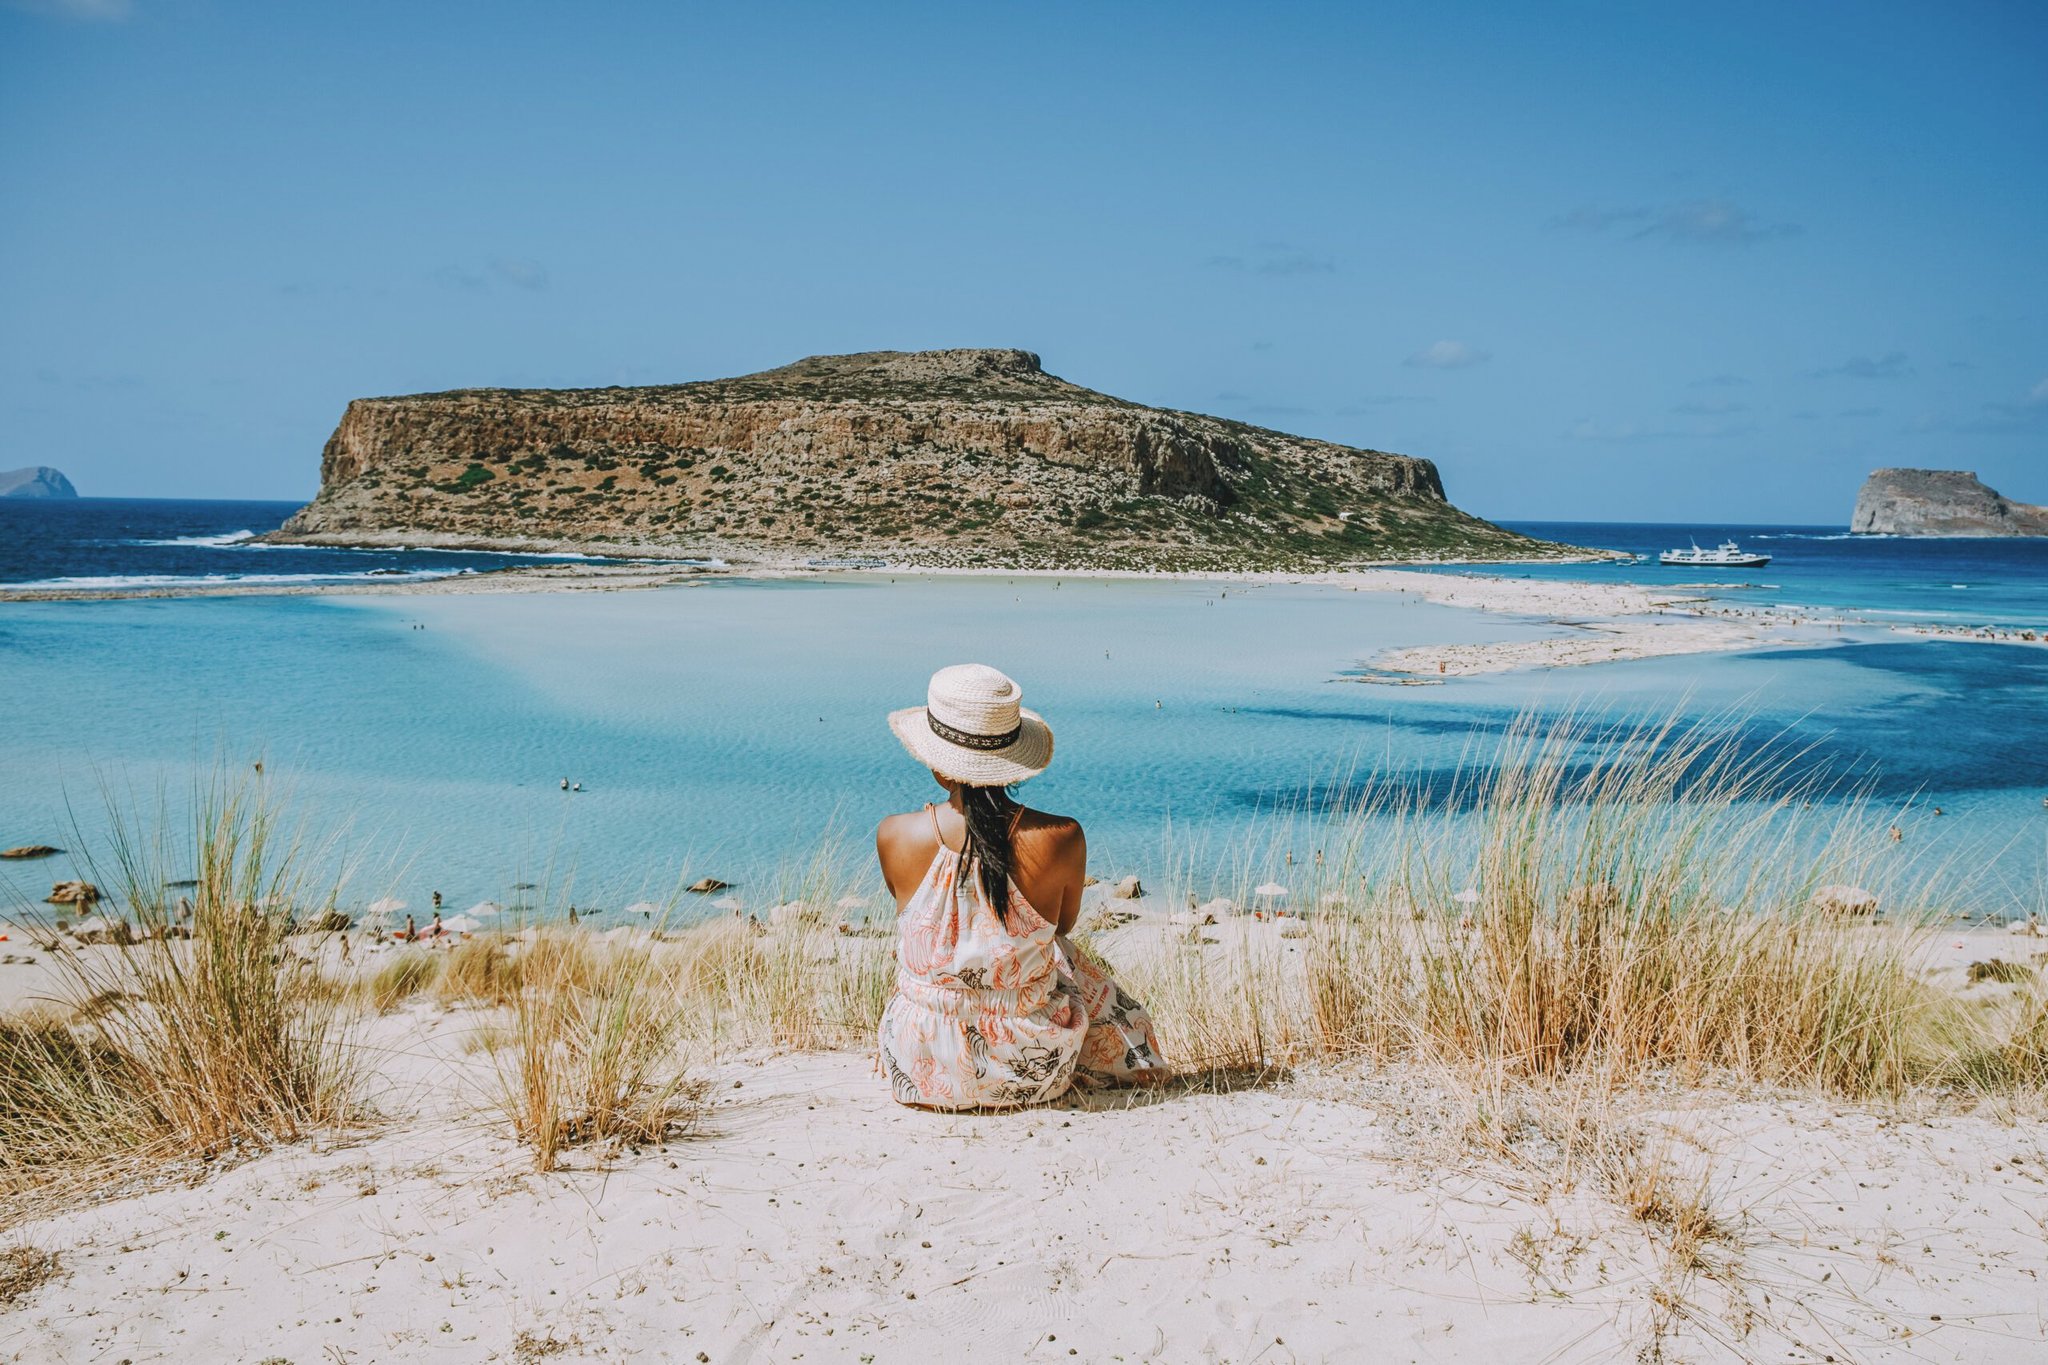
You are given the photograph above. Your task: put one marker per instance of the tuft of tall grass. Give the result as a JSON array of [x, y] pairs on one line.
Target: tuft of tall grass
[[478, 971], [594, 1048], [796, 982], [1639, 898], [184, 1046], [412, 972]]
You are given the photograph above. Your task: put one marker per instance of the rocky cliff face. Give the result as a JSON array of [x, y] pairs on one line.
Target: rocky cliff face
[[36, 481], [1940, 502], [966, 457]]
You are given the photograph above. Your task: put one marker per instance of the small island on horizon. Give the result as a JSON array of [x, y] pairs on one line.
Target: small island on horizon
[[1940, 502], [959, 458], [35, 481]]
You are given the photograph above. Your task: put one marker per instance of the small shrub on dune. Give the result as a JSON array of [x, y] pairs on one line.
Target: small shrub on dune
[[2015, 1062], [562, 958], [594, 1048], [185, 1046], [64, 1096], [719, 963], [479, 972], [1639, 899], [25, 1269], [412, 972]]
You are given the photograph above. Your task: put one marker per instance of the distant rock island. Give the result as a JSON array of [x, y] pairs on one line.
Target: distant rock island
[[1940, 502], [36, 481], [964, 457]]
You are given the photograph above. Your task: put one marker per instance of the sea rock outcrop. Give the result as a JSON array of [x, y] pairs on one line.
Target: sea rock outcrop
[[967, 456], [36, 481], [1940, 502]]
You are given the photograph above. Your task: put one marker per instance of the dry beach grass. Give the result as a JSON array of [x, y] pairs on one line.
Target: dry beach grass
[[1616, 1039]]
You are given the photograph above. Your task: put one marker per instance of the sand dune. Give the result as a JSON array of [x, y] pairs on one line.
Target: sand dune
[[1330, 1216]]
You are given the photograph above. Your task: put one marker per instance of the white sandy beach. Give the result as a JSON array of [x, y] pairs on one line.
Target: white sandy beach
[[1323, 1218], [1340, 1213]]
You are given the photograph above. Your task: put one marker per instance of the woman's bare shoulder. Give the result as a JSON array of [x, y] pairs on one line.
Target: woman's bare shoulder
[[911, 824], [1050, 831]]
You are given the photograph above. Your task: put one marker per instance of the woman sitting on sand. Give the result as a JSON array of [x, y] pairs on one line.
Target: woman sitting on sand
[[994, 1006]]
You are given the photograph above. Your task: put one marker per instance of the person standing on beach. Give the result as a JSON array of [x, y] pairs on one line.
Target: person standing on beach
[[995, 1006]]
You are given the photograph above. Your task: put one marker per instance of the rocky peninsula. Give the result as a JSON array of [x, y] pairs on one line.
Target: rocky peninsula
[[962, 458], [1940, 502], [35, 481]]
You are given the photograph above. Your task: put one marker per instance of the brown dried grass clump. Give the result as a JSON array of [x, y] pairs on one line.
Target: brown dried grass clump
[[594, 1052], [479, 971], [1640, 899], [411, 973], [184, 1047], [25, 1269]]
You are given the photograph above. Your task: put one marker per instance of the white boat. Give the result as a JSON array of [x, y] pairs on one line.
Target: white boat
[[1728, 556]]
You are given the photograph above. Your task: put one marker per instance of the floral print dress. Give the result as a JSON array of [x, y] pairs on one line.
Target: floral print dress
[[988, 1017]]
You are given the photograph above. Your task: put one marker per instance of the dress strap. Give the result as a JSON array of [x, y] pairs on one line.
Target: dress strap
[[933, 812]]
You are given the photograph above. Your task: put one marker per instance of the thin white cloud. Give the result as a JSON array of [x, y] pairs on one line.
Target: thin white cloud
[[1715, 221], [1587, 429], [1374, 404], [2030, 414], [1590, 219], [1447, 355], [1890, 365], [84, 11], [1273, 258], [526, 274], [518, 272]]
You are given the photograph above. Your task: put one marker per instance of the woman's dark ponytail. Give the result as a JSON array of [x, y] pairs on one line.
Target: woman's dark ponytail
[[991, 815]]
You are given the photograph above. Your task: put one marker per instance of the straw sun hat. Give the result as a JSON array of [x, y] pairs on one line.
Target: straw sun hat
[[972, 730]]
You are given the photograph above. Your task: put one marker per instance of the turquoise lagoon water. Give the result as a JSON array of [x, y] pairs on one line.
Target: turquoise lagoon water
[[724, 727]]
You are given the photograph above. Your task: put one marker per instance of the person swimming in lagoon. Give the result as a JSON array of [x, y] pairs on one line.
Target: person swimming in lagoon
[[994, 1007]]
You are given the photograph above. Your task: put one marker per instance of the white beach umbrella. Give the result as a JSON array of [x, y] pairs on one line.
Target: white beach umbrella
[[1468, 896], [459, 924], [643, 908], [1269, 889], [484, 910]]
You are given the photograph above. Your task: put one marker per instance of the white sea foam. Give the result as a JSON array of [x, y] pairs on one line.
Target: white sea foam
[[210, 580], [222, 539]]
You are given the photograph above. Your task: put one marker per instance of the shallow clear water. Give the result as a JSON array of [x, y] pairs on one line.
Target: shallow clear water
[[721, 727]]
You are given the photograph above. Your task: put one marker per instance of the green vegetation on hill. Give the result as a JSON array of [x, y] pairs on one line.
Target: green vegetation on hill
[[972, 458]]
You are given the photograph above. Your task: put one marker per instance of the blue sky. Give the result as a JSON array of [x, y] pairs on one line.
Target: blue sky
[[1613, 261]]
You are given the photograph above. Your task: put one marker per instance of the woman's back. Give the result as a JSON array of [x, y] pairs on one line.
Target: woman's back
[[993, 1006], [1049, 857]]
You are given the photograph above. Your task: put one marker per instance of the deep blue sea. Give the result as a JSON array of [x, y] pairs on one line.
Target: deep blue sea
[[723, 726], [148, 542], [1953, 582]]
